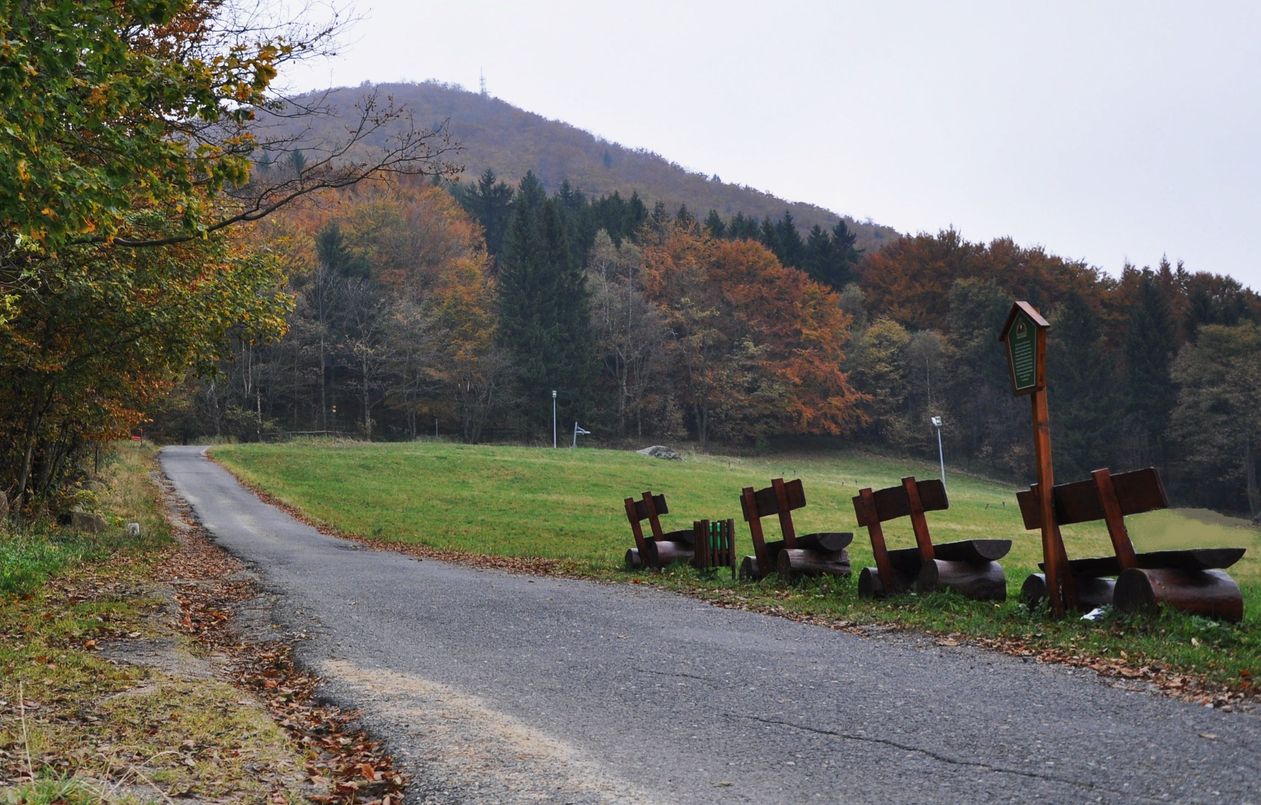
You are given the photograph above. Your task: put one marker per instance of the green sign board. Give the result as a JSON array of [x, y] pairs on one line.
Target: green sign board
[[1022, 343]]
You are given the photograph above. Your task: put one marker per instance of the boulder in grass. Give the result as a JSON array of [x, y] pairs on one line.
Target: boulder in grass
[[660, 451], [83, 521]]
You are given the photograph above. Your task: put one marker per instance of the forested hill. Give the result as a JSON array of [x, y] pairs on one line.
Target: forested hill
[[510, 141]]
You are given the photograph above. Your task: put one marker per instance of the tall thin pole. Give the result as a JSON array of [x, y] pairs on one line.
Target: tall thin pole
[[941, 456], [553, 419]]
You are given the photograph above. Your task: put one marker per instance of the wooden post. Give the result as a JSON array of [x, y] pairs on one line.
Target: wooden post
[[1112, 515], [755, 530], [1024, 335], [785, 513], [701, 544], [636, 529], [918, 524], [650, 506], [884, 567]]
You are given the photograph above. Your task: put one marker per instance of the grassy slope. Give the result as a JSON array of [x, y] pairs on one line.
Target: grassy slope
[[565, 504]]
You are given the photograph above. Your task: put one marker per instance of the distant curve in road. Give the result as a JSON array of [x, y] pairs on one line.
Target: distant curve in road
[[491, 687]]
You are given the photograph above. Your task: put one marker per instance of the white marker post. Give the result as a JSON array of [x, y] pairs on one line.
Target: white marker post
[[941, 455], [553, 419], [579, 430]]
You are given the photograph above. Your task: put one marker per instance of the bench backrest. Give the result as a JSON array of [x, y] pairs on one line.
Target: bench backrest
[[911, 498], [1079, 502], [1104, 497], [648, 508], [895, 501], [765, 502], [779, 498], [641, 509]]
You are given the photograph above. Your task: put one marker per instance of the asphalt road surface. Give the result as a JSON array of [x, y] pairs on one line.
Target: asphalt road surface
[[492, 687]]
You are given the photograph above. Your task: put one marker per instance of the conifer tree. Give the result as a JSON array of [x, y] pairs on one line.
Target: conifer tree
[[714, 225], [791, 250], [742, 228], [684, 217], [768, 236], [846, 255], [1084, 395], [544, 317], [490, 202], [1150, 345], [636, 214], [820, 258]]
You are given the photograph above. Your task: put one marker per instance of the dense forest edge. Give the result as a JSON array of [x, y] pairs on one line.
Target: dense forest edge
[[454, 309]]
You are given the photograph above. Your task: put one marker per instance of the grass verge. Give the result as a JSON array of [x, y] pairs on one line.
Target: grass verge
[[77, 727], [561, 511]]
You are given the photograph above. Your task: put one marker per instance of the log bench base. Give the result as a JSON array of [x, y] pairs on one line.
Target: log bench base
[[1212, 593], [870, 586], [796, 563], [981, 581], [1091, 591], [658, 554]]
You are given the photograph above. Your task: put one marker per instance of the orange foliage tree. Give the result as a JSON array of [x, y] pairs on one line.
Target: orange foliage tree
[[425, 347], [757, 347]]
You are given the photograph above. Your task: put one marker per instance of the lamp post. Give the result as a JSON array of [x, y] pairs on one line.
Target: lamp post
[[553, 419], [941, 456]]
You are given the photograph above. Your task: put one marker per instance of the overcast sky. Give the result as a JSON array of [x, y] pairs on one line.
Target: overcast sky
[[1106, 131]]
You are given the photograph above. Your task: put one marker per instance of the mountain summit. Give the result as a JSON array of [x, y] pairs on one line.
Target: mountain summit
[[508, 140]]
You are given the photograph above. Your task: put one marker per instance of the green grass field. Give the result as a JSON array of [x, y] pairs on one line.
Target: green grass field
[[567, 505]]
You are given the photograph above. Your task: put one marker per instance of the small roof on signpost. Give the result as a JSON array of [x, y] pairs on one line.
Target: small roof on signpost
[[1024, 335]]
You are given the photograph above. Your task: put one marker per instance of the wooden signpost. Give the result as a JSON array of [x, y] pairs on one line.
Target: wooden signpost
[[1024, 342]]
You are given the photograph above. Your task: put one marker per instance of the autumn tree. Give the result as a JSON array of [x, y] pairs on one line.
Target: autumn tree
[[629, 330], [909, 280], [731, 301], [397, 290], [122, 166], [878, 365]]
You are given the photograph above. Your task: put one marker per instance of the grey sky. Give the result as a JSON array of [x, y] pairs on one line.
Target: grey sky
[[1103, 131]]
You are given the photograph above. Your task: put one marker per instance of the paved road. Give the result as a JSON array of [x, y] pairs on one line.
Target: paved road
[[500, 688]]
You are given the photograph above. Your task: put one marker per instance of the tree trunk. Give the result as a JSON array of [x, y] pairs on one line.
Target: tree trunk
[[323, 398], [367, 412], [1250, 474], [702, 425], [28, 458]]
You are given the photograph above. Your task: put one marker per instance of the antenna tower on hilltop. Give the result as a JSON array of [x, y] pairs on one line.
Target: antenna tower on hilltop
[[483, 81]]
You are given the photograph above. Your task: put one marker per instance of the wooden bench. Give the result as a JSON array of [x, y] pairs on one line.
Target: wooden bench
[[1193, 580], [969, 566], [714, 545], [661, 548], [792, 556]]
